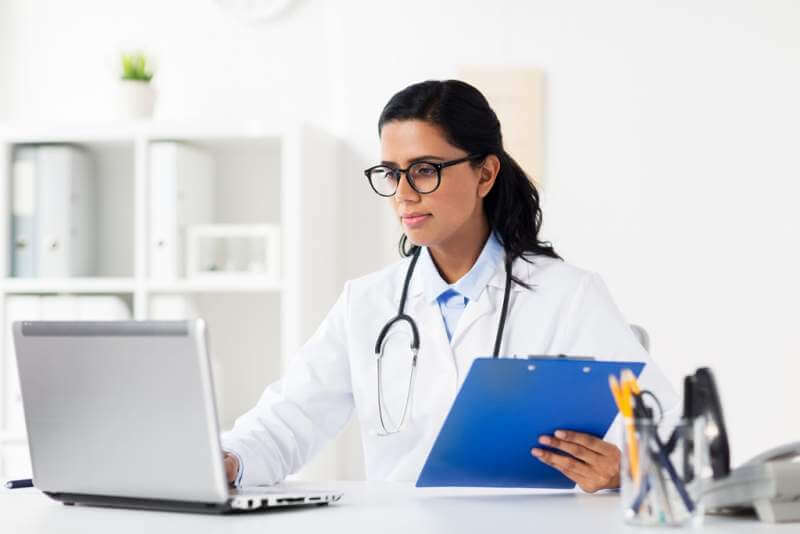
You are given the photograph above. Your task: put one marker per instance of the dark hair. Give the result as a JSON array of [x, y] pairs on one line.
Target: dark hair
[[464, 115]]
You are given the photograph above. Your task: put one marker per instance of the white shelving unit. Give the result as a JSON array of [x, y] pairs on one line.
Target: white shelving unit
[[282, 175]]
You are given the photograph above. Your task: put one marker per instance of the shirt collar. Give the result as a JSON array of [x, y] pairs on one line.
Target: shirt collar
[[471, 284]]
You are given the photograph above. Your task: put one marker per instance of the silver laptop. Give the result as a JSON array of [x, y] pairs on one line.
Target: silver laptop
[[122, 413]]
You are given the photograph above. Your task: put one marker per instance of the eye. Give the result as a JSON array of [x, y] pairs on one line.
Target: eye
[[425, 170]]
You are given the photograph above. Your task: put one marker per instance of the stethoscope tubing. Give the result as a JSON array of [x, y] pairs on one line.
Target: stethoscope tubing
[[403, 317]]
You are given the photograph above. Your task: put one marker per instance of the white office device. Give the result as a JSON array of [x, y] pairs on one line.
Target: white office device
[[52, 212], [122, 413], [181, 190], [769, 484]]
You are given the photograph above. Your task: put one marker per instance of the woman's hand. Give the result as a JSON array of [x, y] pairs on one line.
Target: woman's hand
[[231, 466], [594, 464]]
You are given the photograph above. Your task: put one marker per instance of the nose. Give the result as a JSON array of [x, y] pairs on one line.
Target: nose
[[404, 190]]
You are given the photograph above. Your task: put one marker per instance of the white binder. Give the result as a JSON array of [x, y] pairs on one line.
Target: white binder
[[23, 209], [181, 190], [64, 212], [52, 212]]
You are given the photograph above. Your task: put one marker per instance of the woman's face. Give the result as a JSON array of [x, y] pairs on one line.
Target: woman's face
[[452, 210]]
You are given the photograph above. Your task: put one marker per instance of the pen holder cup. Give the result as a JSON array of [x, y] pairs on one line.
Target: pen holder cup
[[653, 475]]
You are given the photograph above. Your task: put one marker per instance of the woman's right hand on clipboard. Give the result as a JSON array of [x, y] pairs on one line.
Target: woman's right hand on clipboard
[[591, 462]]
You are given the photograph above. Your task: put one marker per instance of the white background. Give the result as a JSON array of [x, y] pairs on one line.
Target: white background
[[671, 140]]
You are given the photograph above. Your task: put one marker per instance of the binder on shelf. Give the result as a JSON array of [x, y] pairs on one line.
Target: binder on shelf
[[23, 207], [171, 308], [52, 212], [58, 307], [181, 191], [100, 308]]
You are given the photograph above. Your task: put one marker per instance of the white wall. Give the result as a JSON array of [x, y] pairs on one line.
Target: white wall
[[671, 139], [6, 42]]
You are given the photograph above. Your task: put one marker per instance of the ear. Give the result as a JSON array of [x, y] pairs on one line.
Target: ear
[[488, 174]]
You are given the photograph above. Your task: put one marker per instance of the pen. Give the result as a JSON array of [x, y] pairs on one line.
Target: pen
[[676, 480], [17, 484], [663, 494], [662, 461]]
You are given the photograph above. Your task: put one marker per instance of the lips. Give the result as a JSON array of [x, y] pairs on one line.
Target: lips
[[412, 220]]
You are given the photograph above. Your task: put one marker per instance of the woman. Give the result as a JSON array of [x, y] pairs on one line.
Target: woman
[[468, 211]]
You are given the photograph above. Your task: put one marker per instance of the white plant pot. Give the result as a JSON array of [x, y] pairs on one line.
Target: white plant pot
[[136, 99]]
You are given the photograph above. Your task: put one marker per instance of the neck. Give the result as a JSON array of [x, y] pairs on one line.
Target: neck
[[455, 257]]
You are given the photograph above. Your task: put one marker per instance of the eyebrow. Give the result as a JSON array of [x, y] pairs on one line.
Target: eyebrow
[[415, 160]]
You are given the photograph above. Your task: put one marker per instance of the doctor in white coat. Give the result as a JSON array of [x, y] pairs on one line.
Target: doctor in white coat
[[468, 211]]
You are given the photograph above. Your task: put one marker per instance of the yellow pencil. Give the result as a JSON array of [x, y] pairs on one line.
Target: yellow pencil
[[614, 385], [628, 376], [623, 400]]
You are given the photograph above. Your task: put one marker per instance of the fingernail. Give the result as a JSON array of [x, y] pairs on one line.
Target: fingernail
[[537, 452], [560, 434], [544, 440]]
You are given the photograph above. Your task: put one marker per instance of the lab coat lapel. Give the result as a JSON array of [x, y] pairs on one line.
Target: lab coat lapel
[[434, 344], [485, 305], [490, 300], [432, 332]]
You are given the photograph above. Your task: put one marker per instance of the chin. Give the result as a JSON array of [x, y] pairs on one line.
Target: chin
[[420, 238], [415, 237]]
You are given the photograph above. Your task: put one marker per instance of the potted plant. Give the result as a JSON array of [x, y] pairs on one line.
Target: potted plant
[[137, 97]]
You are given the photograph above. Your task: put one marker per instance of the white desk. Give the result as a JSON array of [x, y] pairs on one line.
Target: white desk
[[373, 508]]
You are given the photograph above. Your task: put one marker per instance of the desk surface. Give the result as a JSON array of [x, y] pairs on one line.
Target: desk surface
[[368, 507]]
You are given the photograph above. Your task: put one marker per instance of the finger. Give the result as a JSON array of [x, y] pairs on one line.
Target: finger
[[578, 451], [591, 476], [587, 440], [565, 464], [580, 473], [230, 467]]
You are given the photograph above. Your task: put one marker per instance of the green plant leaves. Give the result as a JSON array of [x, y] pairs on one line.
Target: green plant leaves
[[135, 66]]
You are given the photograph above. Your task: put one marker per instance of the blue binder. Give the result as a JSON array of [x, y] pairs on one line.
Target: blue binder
[[503, 407]]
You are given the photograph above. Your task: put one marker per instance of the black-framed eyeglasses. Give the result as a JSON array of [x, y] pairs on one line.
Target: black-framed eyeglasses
[[423, 176]]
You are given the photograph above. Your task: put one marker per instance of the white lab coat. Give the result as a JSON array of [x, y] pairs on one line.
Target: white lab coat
[[567, 311]]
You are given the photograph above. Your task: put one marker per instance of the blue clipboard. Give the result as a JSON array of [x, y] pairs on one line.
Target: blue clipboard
[[503, 407]]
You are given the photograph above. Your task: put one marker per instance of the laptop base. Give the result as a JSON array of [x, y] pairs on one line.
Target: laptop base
[[140, 504], [70, 499]]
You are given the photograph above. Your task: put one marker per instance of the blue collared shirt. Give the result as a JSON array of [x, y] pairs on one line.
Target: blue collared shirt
[[453, 298]]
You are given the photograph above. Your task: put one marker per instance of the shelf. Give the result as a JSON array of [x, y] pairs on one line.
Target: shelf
[[268, 173], [123, 131], [68, 285], [214, 286], [128, 285]]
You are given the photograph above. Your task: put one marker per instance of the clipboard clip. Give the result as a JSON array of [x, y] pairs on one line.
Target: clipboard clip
[[557, 357]]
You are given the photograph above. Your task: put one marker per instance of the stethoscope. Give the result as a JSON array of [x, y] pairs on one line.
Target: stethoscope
[[402, 317]]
